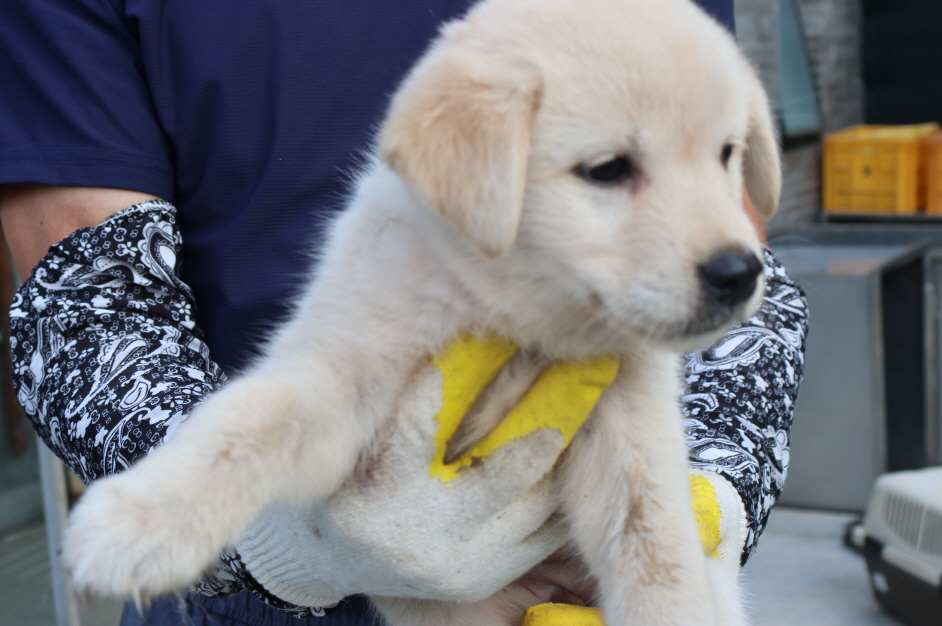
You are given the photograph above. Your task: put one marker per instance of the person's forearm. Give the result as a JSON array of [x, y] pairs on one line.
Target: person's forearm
[[107, 357], [106, 354], [35, 216]]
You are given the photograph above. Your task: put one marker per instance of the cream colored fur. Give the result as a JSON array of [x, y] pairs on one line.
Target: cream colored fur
[[474, 218]]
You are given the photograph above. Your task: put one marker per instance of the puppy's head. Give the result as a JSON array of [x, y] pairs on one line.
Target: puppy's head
[[597, 153]]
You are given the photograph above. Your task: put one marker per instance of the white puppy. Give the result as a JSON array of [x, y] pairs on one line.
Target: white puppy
[[566, 174]]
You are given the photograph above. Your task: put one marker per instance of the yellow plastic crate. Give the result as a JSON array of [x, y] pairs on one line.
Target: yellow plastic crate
[[934, 174], [876, 169]]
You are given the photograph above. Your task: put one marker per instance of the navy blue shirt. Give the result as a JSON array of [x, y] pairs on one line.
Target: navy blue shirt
[[247, 114]]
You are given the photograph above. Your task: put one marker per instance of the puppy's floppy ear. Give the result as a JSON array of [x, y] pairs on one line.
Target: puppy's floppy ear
[[458, 132], [762, 167]]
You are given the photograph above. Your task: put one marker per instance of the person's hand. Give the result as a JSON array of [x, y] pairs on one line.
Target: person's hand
[[408, 523], [561, 585]]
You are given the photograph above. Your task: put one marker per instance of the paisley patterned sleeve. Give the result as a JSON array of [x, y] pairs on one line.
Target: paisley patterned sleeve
[[107, 357], [741, 395]]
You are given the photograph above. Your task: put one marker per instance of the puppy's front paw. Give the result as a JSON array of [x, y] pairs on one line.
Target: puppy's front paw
[[124, 540]]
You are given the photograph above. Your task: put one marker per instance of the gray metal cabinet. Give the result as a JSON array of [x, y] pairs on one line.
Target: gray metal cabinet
[[865, 405]]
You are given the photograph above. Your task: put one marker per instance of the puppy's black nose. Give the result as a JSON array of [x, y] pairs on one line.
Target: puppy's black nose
[[730, 277]]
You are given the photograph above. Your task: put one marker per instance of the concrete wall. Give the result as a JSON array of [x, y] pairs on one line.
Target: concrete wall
[[757, 31], [833, 32], [833, 37], [801, 188]]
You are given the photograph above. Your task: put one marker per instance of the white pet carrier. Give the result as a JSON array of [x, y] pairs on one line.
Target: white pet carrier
[[903, 545]]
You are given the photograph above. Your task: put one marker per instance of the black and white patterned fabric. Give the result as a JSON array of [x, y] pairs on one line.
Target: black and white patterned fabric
[[107, 361], [741, 396], [107, 358]]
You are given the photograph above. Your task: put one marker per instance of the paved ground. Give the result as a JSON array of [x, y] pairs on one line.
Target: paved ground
[[25, 584], [802, 575]]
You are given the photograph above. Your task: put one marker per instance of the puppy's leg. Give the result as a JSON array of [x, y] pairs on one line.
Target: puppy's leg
[[727, 592], [154, 528], [626, 494]]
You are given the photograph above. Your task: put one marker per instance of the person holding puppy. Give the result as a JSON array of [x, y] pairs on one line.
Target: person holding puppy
[[173, 157]]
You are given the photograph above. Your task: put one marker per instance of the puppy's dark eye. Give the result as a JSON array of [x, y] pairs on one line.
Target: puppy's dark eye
[[608, 172], [726, 154]]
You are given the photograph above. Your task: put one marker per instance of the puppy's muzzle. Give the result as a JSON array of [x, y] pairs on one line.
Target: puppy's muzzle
[[729, 278]]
